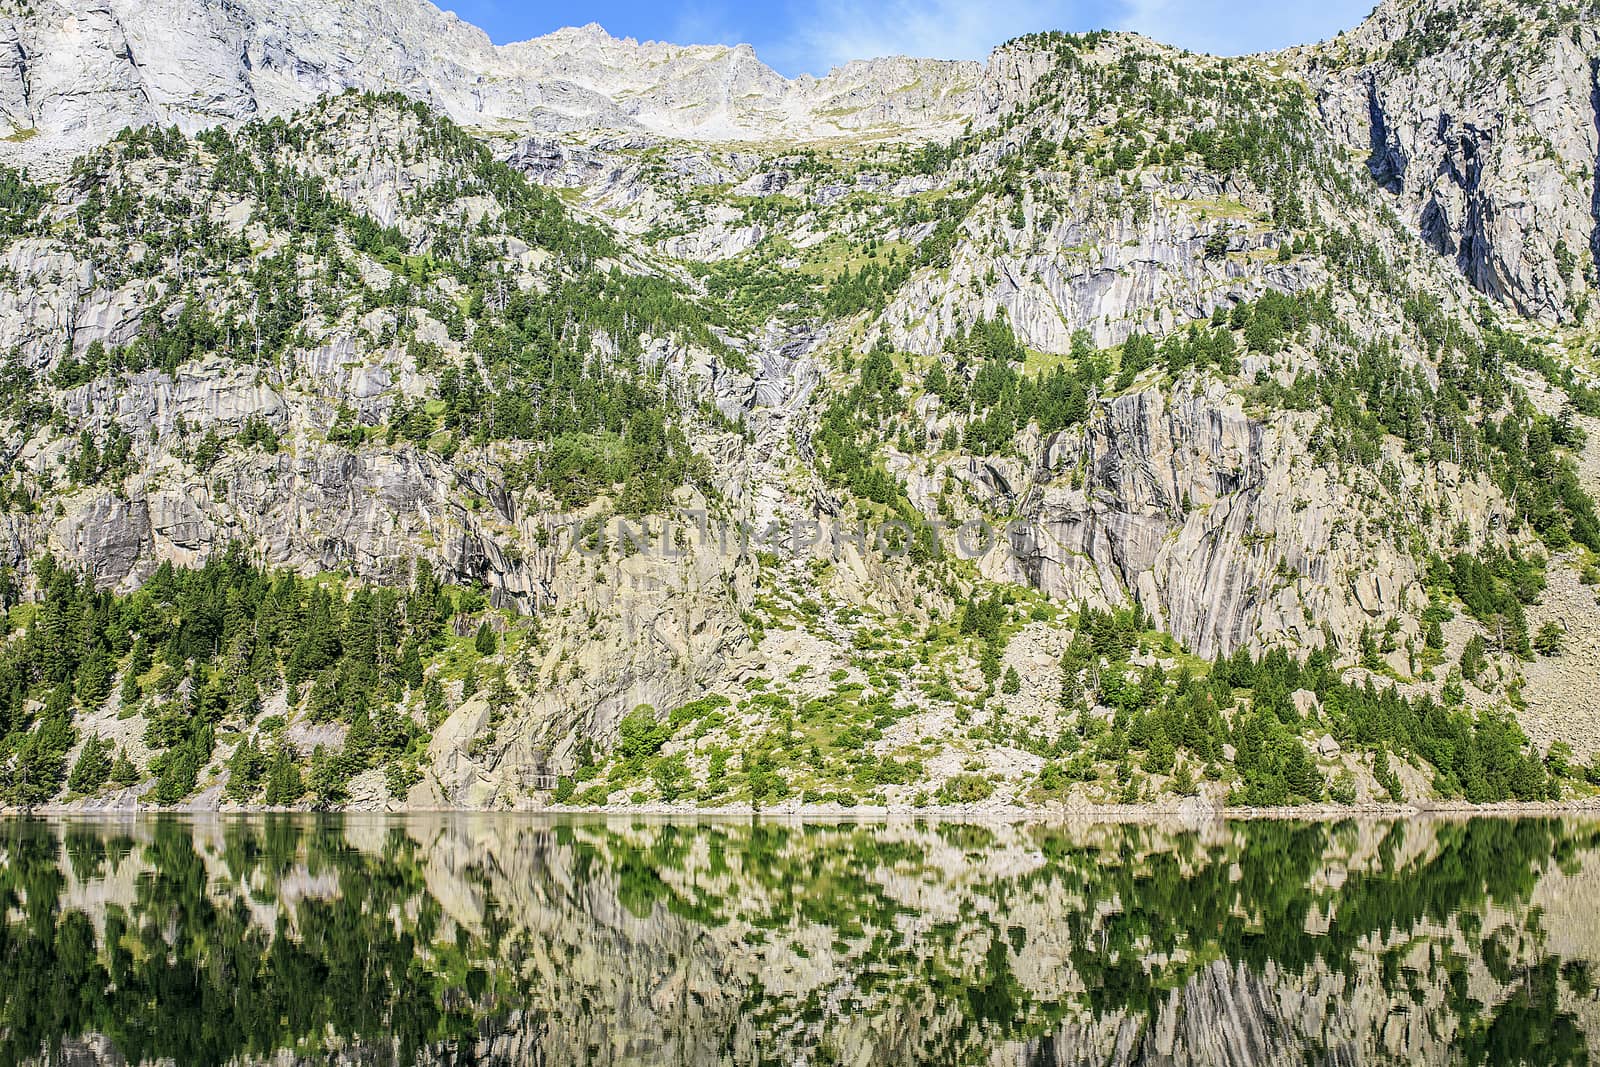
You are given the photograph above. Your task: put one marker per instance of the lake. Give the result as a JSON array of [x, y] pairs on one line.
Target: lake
[[514, 939]]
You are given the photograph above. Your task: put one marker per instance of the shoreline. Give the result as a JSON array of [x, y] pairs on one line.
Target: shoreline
[[1096, 813]]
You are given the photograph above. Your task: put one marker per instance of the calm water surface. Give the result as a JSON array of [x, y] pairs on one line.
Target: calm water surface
[[467, 940]]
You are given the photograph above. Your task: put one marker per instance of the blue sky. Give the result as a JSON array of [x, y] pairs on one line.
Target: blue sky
[[800, 36]]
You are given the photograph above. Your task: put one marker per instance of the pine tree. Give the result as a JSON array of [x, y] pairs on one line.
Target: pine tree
[[1550, 639], [123, 772], [284, 784], [93, 767], [328, 777], [433, 701], [485, 642], [245, 769]]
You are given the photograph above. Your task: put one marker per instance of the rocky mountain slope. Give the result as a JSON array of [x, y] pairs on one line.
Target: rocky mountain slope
[[1485, 127], [1106, 423], [74, 74]]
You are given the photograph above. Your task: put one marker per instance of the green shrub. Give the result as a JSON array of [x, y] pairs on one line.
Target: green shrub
[[965, 789]]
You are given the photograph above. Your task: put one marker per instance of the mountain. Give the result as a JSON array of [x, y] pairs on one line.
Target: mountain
[[392, 418], [77, 73]]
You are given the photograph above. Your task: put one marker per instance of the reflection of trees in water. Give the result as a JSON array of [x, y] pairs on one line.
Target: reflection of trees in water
[[498, 940], [182, 968]]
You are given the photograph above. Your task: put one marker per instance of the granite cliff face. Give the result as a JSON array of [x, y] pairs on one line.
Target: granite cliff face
[[1257, 347], [1486, 132]]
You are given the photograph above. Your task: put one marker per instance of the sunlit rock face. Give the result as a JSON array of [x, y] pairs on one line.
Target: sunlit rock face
[[1492, 162]]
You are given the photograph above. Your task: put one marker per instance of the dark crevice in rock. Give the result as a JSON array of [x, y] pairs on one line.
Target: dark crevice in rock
[[1475, 255], [25, 84], [1594, 99], [1386, 165], [1435, 227]]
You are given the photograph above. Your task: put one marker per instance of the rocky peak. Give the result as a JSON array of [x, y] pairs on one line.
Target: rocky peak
[[73, 72]]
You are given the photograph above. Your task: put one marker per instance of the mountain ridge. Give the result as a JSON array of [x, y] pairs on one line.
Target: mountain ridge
[[249, 61], [330, 433]]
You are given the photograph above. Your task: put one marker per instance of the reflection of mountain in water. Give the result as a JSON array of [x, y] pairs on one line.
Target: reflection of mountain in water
[[497, 940]]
